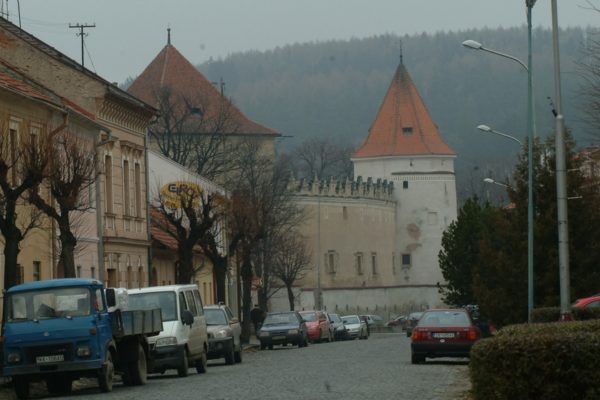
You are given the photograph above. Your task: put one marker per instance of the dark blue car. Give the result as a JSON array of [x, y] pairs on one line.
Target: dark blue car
[[283, 328]]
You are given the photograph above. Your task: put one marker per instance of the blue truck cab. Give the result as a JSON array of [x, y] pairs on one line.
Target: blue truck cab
[[61, 330]]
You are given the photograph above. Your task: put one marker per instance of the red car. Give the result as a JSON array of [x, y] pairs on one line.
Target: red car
[[443, 333], [592, 301], [319, 327]]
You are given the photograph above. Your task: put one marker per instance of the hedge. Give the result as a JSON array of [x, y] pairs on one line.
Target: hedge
[[538, 361], [551, 314]]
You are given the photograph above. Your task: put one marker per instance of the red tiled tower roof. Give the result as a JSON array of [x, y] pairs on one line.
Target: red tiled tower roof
[[170, 70], [403, 126]]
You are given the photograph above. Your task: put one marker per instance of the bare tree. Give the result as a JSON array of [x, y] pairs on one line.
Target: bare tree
[[321, 157], [195, 135], [190, 216], [24, 164], [71, 174], [291, 262]]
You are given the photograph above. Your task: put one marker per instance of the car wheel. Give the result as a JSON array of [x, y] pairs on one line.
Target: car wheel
[[139, 369], [263, 346], [230, 357], [238, 355], [107, 374], [182, 370], [270, 347], [202, 364], [417, 359], [21, 387]]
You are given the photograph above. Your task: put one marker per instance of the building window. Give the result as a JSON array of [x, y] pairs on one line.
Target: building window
[[37, 270], [78, 273], [108, 183], [374, 263], [138, 190], [405, 185], [13, 137], [126, 188], [359, 263], [330, 261], [129, 277], [407, 130], [406, 261], [93, 272], [394, 263]]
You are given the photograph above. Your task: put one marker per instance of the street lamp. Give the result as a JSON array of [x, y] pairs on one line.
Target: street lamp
[[490, 180], [471, 44], [487, 129]]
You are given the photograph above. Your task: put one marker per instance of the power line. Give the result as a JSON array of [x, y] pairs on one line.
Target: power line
[[82, 34], [90, 57]]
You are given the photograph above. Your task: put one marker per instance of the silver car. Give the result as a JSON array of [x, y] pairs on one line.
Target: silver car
[[224, 333], [356, 327]]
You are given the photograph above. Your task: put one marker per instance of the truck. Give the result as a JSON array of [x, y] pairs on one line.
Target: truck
[[60, 330]]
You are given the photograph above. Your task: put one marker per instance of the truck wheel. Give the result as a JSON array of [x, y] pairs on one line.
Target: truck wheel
[[138, 369], [21, 387], [182, 370], [202, 364], [59, 385], [107, 374]]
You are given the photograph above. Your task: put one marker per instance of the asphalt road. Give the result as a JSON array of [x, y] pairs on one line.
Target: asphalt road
[[377, 368]]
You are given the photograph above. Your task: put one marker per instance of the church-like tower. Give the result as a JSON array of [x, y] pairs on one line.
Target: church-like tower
[[404, 146]]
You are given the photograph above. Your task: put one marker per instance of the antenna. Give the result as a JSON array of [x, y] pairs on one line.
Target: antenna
[[82, 34], [169, 36], [401, 61]]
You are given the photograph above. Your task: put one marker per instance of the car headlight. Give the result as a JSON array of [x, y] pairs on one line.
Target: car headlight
[[13, 358], [223, 333], [263, 334], [293, 332], [166, 341], [340, 328], [83, 351]]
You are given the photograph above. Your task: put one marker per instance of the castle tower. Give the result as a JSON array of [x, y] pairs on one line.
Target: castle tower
[[405, 147]]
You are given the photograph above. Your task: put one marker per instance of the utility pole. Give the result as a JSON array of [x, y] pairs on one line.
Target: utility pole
[[82, 34]]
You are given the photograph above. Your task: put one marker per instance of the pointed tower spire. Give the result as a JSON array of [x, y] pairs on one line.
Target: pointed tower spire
[[403, 126], [168, 36], [401, 61]]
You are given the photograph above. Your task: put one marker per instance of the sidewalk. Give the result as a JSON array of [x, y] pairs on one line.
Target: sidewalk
[[254, 344]]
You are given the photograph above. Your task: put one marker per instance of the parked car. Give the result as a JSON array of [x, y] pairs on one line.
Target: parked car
[[319, 327], [592, 301], [357, 328], [224, 331], [339, 329], [373, 320], [411, 322], [283, 328], [399, 321], [183, 341], [443, 333]]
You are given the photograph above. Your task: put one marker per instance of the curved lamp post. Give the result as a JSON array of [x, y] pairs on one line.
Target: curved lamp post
[[490, 180], [487, 129], [472, 44]]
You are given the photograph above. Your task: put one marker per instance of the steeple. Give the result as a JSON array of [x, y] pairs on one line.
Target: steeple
[[168, 36], [403, 126]]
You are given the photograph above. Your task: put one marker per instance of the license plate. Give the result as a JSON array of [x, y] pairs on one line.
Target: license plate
[[441, 335], [49, 359], [278, 337]]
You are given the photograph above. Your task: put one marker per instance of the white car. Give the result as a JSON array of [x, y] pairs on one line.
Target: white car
[[356, 326], [183, 342]]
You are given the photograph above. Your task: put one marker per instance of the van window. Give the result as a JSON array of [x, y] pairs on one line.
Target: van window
[[182, 304], [190, 302], [198, 302]]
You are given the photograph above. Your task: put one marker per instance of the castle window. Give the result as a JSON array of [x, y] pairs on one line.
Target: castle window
[[406, 260], [394, 263], [359, 263], [331, 261], [374, 263], [405, 185], [407, 130]]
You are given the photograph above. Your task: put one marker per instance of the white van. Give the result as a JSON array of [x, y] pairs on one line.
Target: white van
[[183, 342]]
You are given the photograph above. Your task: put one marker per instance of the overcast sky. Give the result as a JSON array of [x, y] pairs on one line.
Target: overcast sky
[[129, 33]]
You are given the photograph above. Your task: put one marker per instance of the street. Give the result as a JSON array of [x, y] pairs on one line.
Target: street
[[377, 368]]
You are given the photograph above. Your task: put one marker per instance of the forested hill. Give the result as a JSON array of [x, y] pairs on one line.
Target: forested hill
[[335, 88]]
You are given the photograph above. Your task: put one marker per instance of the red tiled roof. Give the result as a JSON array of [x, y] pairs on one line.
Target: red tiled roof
[[403, 126], [171, 70], [160, 235]]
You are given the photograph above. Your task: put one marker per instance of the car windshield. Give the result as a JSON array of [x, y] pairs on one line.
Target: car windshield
[[335, 318], [280, 319], [445, 318], [215, 317], [47, 304], [309, 316], [415, 315], [351, 319], [151, 300]]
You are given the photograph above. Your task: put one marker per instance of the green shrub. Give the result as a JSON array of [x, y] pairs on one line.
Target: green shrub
[[552, 314], [538, 361]]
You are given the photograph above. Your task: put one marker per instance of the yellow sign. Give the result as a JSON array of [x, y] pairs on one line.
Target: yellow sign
[[177, 194]]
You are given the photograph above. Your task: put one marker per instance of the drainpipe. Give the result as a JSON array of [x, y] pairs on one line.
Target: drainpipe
[[148, 222], [100, 210]]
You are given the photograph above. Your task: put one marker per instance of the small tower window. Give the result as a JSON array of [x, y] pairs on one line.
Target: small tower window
[[407, 130], [405, 184]]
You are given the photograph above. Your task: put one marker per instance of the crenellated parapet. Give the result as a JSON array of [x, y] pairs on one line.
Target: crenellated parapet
[[343, 188]]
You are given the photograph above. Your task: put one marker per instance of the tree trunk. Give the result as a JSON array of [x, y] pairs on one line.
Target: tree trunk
[[290, 294], [220, 272], [185, 265], [11, 252], [68, 241], [247, 298]]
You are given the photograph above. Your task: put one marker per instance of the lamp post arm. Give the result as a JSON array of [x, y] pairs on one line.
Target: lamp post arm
[[507, 136], [498, 53]]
